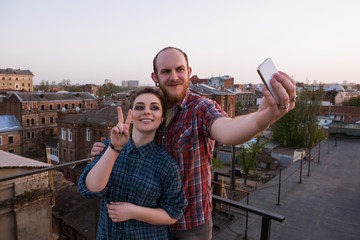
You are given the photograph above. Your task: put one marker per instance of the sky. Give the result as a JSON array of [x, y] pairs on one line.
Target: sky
[[88, 41]]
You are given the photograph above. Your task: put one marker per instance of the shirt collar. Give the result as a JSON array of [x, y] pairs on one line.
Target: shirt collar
[[182, 103], [143, 150]]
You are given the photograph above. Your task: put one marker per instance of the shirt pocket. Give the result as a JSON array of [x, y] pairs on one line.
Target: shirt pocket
[[183, 139]]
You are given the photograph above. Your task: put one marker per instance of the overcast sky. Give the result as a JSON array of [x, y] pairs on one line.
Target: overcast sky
[[89, 41]]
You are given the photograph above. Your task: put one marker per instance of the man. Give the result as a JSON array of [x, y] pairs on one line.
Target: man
[[192, 125]]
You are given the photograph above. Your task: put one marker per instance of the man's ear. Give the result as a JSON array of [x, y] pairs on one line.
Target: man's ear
[[154, 77], [189, 72]]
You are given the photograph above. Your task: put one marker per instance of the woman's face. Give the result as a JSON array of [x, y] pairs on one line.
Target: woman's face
[[147, 113]]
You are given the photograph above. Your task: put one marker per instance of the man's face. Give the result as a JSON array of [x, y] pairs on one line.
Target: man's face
[[172, 74]]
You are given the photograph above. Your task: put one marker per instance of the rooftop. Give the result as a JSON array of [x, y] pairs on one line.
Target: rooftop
[[9, 123], [324, 206]]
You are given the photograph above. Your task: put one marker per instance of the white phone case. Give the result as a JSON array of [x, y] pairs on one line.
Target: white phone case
[[266, 71]]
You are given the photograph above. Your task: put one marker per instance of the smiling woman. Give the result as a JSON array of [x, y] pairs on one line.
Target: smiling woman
[[138, 182]]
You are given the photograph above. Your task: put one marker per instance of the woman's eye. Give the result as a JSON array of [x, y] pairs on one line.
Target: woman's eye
[[155, 108], [138, 108]]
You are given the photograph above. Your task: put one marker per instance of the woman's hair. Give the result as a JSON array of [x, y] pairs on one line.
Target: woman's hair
[[149, 90]]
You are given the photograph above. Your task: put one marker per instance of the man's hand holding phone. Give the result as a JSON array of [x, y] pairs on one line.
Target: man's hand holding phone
[[266, 71]]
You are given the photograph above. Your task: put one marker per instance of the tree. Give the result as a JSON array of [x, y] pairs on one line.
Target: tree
[[249, 154], [299, 128], [44, 86], [108, 89], [354, 102]]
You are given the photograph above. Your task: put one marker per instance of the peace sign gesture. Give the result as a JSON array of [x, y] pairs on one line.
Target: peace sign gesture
[[120, 133]]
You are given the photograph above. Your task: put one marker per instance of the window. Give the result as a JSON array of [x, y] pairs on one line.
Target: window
[[88, 138], [32, 121], [80, 105], [91, 106], [1, 141], [51, 119], [29, 85], [27, 122], [51, 107], [70, 135], [28, 135], [59, 106], [9, 84], [66, 106], [32, 134], [23, 84], [73, 106], [43, 120], [42, 107], [63, 133], [10, 139]]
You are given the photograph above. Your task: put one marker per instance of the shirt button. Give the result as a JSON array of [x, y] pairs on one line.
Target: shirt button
[[133, 161], [163, 137]]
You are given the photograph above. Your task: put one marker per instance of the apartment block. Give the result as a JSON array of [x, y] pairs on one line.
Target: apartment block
[[38, 112], [16, 79]]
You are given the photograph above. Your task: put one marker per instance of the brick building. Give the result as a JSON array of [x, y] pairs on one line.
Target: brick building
[[341, 113], [38, 112], [16, 79], [78, 133], [224, 99], [10, 134]]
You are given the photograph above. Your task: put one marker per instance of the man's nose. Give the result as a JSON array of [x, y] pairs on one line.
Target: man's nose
[[173, 75]]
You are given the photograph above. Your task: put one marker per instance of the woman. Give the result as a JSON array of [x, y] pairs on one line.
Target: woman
[[138, 182]]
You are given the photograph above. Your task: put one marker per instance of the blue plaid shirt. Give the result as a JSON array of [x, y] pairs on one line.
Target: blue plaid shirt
[[145, 176]]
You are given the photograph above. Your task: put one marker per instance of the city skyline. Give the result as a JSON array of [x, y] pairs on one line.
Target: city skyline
[[90, 41]]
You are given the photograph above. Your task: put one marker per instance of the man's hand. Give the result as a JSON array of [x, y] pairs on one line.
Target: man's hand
[[97, 148]]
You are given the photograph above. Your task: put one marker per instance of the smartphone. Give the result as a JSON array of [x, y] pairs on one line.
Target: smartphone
[[266, 71]]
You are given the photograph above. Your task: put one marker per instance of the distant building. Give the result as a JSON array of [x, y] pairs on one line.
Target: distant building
[[106, 81], [10, 134], [16, 79], [130, 83], [245, 98], [91, 88], [195, 80], [221, 81], [25, 202], [224, 99], [341, 113], [78, 133], [38, 112]]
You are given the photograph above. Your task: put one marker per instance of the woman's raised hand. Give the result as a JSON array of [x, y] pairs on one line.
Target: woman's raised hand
[[120, 133]]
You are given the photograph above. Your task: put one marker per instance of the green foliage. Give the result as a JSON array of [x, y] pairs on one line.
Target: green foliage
[[216, 163], [249, 154], [299, 128], [44, 86], [354, 102], [108, 89]]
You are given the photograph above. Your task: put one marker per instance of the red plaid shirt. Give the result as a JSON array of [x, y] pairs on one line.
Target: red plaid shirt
[[188, 139]]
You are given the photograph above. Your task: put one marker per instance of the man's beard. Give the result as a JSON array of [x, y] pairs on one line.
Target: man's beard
[[171, 99]]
